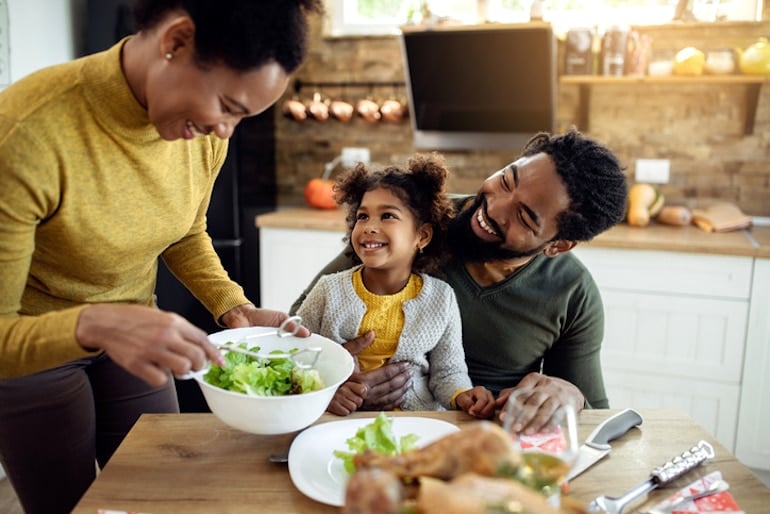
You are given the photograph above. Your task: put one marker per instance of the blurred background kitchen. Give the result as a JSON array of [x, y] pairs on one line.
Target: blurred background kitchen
[[700, 132]]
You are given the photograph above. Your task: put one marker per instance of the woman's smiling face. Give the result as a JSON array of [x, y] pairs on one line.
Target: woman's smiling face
[[186, 101], [185, 98]]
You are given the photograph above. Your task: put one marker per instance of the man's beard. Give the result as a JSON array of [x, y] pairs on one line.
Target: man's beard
[[467, 247]]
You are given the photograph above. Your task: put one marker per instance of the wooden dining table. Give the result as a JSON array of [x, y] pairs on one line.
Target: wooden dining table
[[195, 464]]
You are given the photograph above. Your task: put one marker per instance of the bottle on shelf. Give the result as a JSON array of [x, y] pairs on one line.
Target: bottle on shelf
[[614, 45], [579, 52], [537, 10]]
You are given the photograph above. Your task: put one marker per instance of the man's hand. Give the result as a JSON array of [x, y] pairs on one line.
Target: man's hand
[[247, 315], [379, 389], [478, 402], [543, 395]]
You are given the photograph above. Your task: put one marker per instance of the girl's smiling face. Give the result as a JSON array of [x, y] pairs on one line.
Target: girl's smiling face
[[386, 234]]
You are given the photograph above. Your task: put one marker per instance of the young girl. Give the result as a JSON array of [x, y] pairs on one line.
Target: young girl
[[397, 221]]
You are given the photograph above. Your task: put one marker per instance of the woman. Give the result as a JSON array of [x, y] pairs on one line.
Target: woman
[[106, 163]]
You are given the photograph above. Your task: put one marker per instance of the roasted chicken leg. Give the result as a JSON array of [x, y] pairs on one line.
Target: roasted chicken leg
[[483, 448]]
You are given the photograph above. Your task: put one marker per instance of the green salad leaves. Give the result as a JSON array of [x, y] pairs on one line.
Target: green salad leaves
[[262, 377], [377, 436]]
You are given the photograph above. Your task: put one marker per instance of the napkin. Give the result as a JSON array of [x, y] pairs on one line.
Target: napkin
[[548, 442], [720, 217], [723, 503]]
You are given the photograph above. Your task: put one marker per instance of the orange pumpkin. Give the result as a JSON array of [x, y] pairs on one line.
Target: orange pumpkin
[[319, 193]]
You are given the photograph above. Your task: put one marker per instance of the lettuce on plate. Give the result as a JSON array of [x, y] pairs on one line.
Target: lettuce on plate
[[377, 436], [262, 377]]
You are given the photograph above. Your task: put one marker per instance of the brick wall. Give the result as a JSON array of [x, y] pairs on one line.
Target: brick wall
[[699, 127]]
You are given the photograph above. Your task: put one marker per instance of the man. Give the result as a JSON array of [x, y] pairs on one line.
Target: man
[[532, 315]]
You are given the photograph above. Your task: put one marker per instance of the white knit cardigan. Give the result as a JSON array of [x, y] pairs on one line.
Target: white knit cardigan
[[431, 340]]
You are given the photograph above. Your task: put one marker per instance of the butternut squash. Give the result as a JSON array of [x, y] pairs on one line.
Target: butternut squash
[[674, 215], [644, 203]]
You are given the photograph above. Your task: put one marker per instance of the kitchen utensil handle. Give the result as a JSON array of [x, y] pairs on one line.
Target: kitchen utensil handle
[[613, 427], [660, 475], [682, 464]]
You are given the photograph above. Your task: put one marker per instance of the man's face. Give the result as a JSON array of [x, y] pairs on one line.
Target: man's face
[[513, 215]]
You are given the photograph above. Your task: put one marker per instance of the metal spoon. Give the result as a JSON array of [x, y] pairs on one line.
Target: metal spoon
[[718, 486]]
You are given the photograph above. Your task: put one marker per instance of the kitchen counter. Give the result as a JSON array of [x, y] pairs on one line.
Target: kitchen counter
[[761, 236], [753, 242]]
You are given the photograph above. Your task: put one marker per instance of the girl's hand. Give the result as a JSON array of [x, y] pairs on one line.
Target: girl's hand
[[478, 402], [378, 389]]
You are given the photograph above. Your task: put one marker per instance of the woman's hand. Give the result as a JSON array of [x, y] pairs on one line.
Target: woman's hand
[[247, 315], [147, 342], [546, 394]]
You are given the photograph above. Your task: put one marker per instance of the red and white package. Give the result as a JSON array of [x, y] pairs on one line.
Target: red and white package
[[722, 503]]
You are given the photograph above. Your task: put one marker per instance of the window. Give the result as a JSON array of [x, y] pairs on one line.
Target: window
[[356, 17]]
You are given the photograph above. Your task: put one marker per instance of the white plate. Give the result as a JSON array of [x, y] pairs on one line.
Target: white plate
[[318, 474]]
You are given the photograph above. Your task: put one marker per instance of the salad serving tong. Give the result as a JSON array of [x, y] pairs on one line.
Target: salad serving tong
[[305, 358]]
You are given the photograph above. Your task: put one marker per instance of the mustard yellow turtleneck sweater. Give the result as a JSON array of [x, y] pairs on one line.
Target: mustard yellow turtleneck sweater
[[90, 196]]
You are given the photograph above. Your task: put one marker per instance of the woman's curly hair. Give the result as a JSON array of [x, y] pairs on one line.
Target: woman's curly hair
[[422, 188], [242, 34]]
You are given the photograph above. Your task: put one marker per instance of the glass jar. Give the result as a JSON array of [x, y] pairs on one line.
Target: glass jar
[[719, 62]]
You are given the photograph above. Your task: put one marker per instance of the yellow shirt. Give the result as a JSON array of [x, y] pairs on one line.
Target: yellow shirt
[[90, 196], [385, 317]]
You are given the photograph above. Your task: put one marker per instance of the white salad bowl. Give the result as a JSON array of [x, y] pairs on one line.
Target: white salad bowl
[[277, 414]]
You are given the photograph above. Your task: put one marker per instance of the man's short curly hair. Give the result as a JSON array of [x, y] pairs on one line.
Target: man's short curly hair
[[422, 188], [594, 179]]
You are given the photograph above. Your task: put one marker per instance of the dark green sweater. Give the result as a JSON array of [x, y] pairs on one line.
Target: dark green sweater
[[547, 313]]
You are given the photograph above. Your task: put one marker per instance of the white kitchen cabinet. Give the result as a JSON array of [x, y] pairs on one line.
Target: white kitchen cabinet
[[675, 335], [675, 331], [754, 420], [289, 259]]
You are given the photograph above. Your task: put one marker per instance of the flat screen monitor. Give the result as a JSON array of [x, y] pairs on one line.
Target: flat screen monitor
[[480, 87]]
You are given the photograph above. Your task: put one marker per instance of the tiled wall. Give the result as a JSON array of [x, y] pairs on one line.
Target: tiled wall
[[699, 127]]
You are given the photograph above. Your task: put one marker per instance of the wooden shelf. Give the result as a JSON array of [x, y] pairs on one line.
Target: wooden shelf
[[753, 85], [669, 79]]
